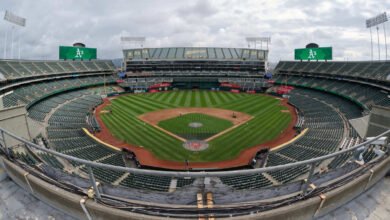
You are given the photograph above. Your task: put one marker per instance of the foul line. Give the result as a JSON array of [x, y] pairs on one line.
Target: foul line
[[100, 141], [227, 130], [290, 141], [163, 130]]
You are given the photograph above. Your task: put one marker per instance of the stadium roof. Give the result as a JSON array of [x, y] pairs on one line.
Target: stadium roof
[[196, 53]]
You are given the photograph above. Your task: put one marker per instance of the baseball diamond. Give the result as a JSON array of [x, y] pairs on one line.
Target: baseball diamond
[[269, 120], [195, 126]]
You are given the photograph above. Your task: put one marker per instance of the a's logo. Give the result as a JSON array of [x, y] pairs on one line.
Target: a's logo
[[79, 53], [312, 54]]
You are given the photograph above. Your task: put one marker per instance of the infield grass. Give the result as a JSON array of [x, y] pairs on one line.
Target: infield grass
[[181, 126]]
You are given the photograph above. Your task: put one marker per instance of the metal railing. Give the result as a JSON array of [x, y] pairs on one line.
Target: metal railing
[[311, 163]]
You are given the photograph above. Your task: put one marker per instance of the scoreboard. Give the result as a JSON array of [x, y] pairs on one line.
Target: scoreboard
[[320, 53], [77, 53]]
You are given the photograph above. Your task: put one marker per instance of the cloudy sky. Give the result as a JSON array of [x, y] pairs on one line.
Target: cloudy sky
[[221, 23]]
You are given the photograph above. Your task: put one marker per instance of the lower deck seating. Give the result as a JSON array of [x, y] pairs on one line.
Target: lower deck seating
[[65, 135], [325, 120]]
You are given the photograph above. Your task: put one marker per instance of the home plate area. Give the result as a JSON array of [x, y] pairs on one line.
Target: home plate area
[[195, 145]]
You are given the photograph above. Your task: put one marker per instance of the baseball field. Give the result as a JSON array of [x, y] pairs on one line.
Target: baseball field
[[200, 114]]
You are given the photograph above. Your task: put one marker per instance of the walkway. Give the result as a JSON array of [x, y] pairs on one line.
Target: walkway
[[16, 203]]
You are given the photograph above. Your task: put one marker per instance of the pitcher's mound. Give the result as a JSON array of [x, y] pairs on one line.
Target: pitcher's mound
[[195, 125]]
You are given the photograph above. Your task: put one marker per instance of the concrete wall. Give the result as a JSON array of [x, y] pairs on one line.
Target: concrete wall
[[14, 120], [379, 121], [306, 209]]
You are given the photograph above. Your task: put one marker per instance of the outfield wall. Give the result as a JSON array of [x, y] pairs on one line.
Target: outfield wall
[[307, 209]]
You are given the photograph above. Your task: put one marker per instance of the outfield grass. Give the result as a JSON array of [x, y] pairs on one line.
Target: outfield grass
[[266, 125], [180, 126]]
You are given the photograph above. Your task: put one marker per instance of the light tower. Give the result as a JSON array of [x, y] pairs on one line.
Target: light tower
[[254, 41], [15, 20], [132, 42], [375, 22]]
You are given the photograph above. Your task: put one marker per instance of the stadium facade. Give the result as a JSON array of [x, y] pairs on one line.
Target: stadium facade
[[194, 67], [341, 150]]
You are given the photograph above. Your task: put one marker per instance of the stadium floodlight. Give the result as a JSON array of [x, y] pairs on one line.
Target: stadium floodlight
[[375, 22], [257, 40], [9, 16], [16, 20], [136, 41], [264, 39]]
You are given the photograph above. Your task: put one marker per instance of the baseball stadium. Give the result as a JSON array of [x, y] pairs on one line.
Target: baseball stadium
[[194, 132]]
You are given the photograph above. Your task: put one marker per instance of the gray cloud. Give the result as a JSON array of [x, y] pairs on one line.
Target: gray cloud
[[100, 23]]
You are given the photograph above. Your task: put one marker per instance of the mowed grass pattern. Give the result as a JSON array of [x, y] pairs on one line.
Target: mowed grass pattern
[[267, 124], [181, 126]]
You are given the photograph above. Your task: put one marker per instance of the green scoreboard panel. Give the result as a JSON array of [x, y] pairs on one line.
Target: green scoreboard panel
[[321, 53], [77, 53]]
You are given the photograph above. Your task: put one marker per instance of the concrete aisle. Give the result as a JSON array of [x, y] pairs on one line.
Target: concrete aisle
[[373, 205], [15, 203]]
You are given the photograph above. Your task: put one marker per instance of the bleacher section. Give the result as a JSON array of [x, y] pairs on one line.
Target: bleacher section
[[254, 181], [38, 112], [65, 130], [374, 70], [140, 181], [326, 130], [325, 124], [17, 69], [349, 109], [51, 160], [45, 157], [363, 94], [27, 94], [363, 82], [24, 157]]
